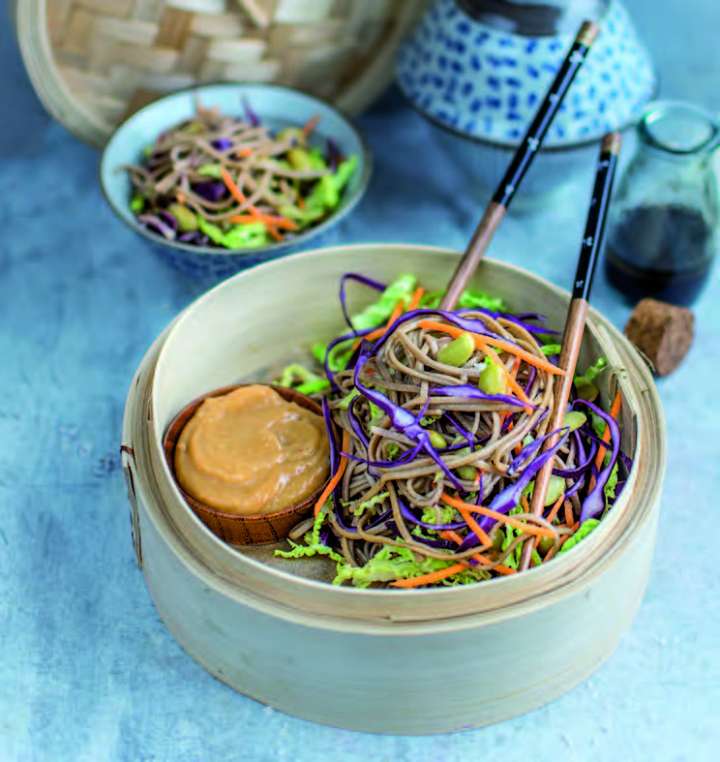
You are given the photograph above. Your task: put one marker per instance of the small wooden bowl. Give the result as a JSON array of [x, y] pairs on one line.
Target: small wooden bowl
[[231, 527]]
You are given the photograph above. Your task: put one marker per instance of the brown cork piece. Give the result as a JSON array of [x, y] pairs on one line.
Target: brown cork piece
[[662, 332]]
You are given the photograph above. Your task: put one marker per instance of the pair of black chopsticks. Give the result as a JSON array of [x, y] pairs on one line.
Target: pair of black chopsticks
[[589, 250]]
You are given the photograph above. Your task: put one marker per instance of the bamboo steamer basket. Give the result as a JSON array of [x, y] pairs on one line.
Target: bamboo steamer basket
[[94, 62], [414, 661]]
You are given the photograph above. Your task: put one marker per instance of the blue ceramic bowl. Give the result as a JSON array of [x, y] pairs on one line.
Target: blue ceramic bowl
[[277, 107], [481, 83], [485, 83]]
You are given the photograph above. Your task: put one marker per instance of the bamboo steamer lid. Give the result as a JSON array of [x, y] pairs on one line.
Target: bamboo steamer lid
[[468, 645], [94, 62]]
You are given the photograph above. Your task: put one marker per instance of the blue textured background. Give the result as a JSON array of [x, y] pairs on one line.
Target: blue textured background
[[87, 671]]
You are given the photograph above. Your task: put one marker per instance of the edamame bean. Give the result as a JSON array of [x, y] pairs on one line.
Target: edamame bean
[[492, 379], [437, 440], [187, 221], [587, 392], [299, 158], [290, 133], [556, 488], [545, 544], [458, 351], [574, 419], [468, 473]]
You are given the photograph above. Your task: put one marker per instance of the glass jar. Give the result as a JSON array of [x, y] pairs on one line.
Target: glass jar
[[662, 231]]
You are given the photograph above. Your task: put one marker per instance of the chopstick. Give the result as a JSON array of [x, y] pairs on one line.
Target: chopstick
[[520, 163], [577, 313]]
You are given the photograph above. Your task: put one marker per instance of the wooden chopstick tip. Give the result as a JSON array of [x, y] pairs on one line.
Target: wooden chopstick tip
[[612, 143], [588, 33]]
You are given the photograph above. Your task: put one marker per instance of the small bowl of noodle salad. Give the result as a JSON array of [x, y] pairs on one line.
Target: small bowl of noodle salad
[[222, 177]]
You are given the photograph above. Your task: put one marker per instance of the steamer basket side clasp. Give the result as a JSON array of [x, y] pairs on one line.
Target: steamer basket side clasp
[[127, 455]]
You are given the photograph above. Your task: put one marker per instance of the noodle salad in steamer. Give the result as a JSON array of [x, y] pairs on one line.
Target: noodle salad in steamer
[[437, 421]]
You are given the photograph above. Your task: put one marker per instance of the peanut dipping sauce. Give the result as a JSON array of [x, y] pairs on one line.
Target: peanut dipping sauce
[[251, 452]]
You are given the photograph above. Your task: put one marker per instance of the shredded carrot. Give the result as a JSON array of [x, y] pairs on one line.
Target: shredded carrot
[[500, 568], [556, 508], [509, 520], [268, 219], [416, 297], [281, 222], [506, 346], [311, 124], [449, 534], [330, 486], [270, 222], [614, 413], [480, 533], [569, 517], [243, 153], [399, 309], [509, 380], [238, 195], [274, 232], [549, 554], [181, 198], [513, 374], [429, 579], [301, 203], [451, 330], [230, 184], [529, 358], [378, 332]]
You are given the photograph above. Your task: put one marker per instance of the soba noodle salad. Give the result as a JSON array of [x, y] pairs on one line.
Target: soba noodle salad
[[437, 421], [229, 182]]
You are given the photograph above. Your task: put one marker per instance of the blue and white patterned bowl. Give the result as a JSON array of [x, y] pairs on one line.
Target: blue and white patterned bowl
[[277, 107], [484, 84], [487, 84]]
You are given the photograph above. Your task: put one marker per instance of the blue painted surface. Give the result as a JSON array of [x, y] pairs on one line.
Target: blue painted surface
[[87, 671]]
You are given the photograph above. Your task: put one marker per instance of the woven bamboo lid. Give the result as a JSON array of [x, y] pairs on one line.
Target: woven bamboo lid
[[93, 62]]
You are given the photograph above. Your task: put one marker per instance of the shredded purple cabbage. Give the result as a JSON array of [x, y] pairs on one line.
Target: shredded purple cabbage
[[401, 420], [212, 190], [465, 391], [380, 519], [508, 498], [194, 236], [466, 324], [222, 144], [168, 219], [403, 460], [594, 503], [332, 344], [469, 436], [333, 154], [250, 116], [526, 452], [358, 278], [156, 225]]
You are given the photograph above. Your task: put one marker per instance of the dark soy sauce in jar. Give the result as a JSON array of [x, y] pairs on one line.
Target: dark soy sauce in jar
[[663, 251]]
